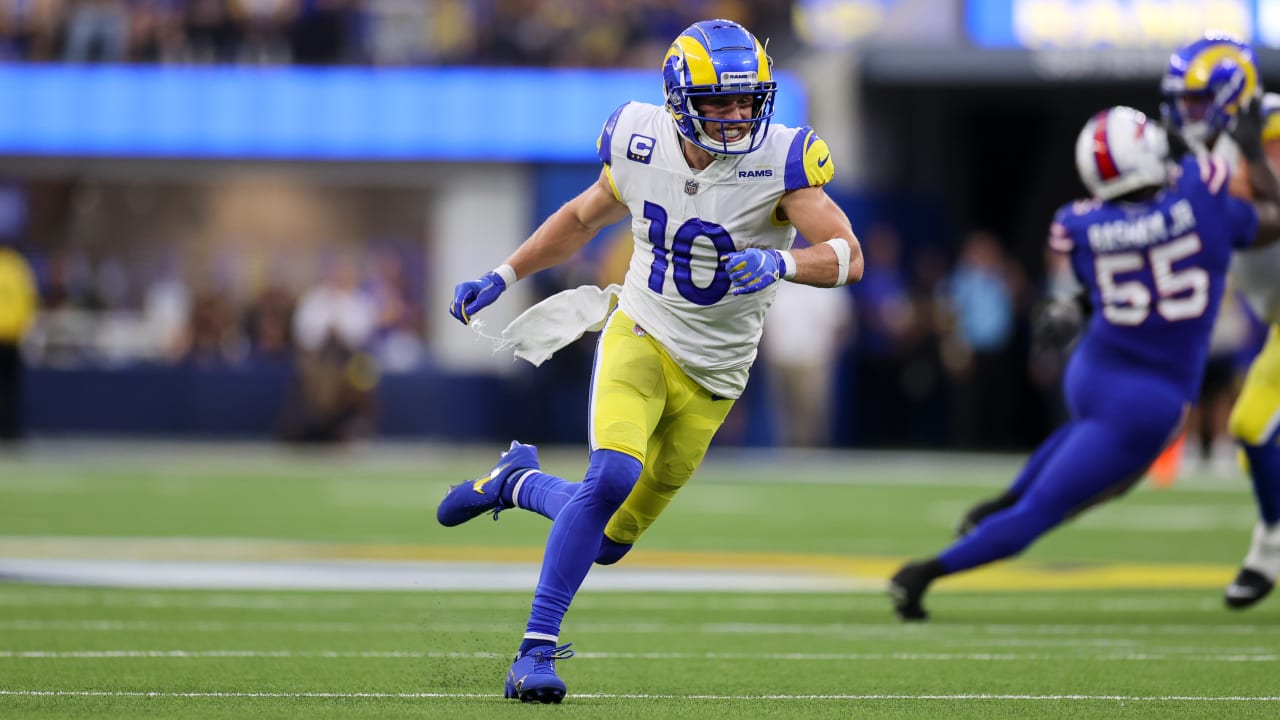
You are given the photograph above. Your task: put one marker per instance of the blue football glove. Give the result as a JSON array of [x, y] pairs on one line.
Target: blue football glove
[[473, 296], [753, 269]]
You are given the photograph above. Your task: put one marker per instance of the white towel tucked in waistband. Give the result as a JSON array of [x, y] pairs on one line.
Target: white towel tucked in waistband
[[557, 321]]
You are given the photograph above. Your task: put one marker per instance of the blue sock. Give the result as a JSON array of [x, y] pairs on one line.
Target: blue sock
[[1032, 468], [1084, 463], [547, 495], [999, 536], [542, 493], [575, 536], [1264, 472], [611, 552], [1015, 531]]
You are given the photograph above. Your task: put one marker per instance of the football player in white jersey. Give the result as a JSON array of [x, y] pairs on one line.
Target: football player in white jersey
[[716, 196], [1214, 97]]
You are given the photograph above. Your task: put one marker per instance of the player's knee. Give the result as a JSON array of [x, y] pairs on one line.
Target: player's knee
[[674, 472], [611, 552], [610, 476], [1253, 415]]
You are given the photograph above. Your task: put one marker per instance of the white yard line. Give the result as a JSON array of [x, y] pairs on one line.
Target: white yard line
[[414, 576], [647, 696], [12, 596], [833, 630], [176, 563], [773, 657]]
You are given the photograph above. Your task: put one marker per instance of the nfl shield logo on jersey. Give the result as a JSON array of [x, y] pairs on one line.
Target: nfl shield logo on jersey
[[690, 187]]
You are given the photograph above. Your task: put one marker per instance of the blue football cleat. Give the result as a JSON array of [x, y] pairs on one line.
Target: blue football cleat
[[484, 494], [532, 676]]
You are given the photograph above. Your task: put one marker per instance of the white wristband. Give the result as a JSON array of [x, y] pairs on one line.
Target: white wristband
[[841, 247], [507, 273], [788, 265]]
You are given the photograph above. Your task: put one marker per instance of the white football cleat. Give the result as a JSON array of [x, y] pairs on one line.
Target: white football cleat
[[1259, 570]]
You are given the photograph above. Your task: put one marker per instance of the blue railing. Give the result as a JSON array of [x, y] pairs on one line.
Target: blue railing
[[436, 114]]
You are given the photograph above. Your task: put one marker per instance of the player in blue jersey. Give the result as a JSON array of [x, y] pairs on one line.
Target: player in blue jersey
[[1151, 250], [717, 196], [1212, 91]]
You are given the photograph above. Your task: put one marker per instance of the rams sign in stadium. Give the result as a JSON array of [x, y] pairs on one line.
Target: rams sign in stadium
[[1070, 24]]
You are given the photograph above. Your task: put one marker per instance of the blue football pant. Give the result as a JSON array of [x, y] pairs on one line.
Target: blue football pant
[[1122, 419]]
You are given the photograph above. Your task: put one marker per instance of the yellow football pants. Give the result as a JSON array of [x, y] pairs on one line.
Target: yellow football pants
[[643, 404], [1255, 416]]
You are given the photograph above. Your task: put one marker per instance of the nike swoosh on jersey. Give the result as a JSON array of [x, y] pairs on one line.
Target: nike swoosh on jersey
[[824, 160]]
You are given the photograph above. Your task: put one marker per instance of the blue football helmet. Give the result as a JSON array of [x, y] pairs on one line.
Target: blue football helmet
[[718, 58], [1206, 84]]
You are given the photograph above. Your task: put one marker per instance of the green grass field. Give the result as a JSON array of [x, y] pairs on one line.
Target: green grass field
[[252, 581]]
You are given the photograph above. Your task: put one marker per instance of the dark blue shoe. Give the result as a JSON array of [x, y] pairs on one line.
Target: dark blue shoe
[[484, 494], [532, 676]]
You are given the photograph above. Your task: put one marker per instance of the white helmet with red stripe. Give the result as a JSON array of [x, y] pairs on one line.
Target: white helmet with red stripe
[[1119, 151]]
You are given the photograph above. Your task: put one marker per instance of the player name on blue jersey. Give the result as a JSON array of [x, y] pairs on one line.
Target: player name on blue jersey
[[1141, 231], [1156, 269]]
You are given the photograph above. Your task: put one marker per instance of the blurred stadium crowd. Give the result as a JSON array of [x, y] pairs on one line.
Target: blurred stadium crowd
[[595, 33], [932, 349], [127, 279]]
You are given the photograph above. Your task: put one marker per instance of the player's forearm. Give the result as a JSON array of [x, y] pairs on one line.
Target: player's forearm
[[829, 262], [1268, 222], [1262, 180], [820, 264]]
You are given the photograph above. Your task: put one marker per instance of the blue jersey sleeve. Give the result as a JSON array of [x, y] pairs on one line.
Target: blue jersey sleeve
[[1067, 223], [1213, 175], [1060, 240], [604, 145], [808, 161]]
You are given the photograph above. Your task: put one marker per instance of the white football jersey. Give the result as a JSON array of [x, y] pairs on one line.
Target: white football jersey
[[676, 288], [1254, 271]]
